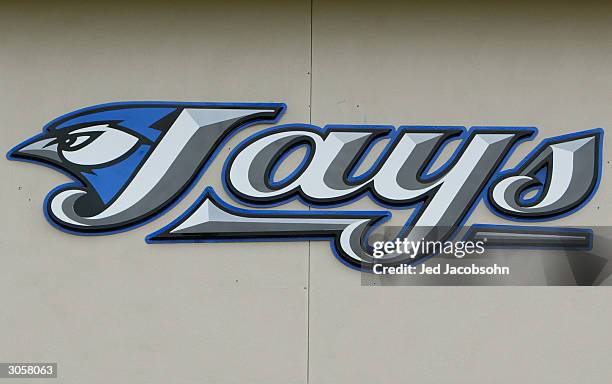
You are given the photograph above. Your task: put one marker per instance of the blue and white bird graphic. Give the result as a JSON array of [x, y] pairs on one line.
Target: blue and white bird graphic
[[131, 161]]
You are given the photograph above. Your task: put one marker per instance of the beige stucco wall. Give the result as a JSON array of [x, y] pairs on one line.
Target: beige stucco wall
[[114, 309]]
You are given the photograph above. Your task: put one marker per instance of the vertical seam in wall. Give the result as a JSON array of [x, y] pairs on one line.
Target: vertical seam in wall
[[308, 286]]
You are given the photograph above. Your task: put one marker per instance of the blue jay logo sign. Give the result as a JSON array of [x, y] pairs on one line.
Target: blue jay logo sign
[[133, 161]]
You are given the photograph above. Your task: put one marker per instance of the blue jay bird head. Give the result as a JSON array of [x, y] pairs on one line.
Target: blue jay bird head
[[102, 149], [131, 160]]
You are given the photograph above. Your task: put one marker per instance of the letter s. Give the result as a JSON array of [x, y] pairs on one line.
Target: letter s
[[563, 170]]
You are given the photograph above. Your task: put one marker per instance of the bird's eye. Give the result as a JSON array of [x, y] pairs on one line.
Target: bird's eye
[[96, 145], [74, 142]]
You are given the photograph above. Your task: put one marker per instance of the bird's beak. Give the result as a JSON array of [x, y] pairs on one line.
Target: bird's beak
[[39, 148]]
